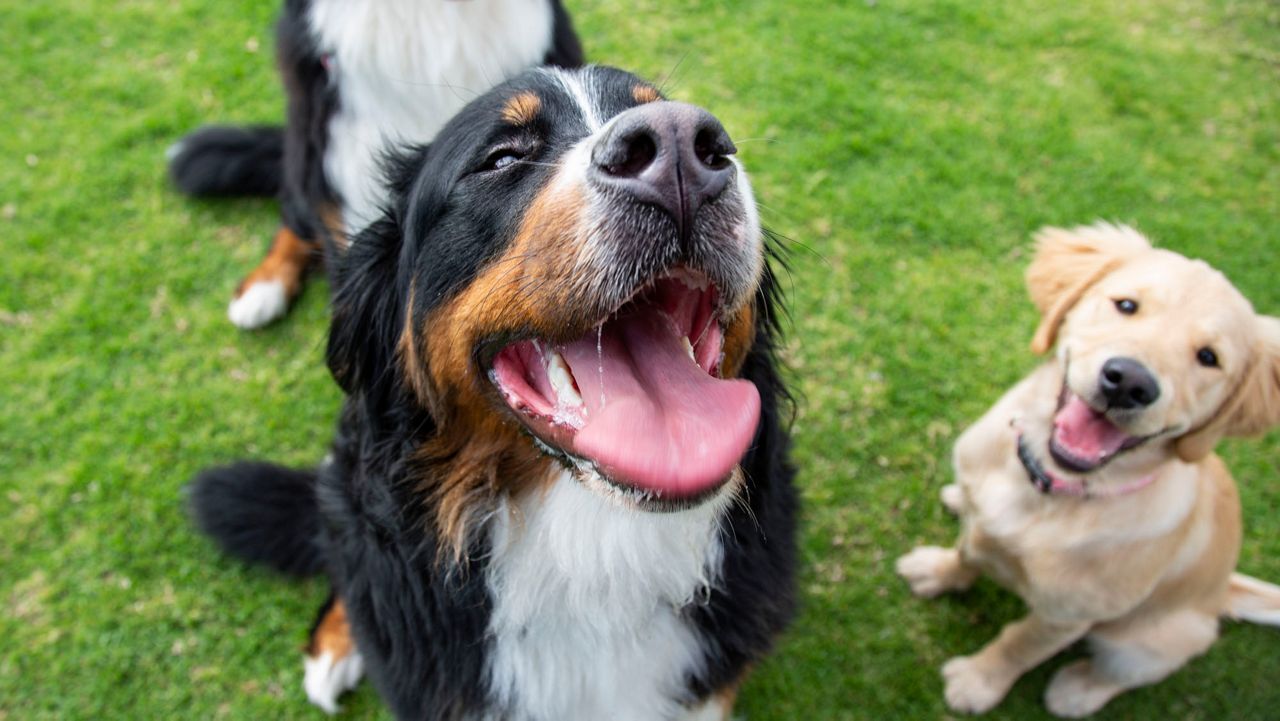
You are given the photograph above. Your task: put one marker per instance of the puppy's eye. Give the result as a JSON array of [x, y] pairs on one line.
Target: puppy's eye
[[1207, 358], [1127, 306], [502, 158]]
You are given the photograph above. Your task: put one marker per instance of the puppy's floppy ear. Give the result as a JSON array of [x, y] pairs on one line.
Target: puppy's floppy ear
[[1253, 407], [1067, 263]]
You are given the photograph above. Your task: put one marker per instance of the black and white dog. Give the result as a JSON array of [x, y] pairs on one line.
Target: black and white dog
[[559, 489], [361, 76]]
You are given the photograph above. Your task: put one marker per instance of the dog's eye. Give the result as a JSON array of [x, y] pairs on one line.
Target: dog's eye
[[502, 158], [1127, 306], [1207, 358]]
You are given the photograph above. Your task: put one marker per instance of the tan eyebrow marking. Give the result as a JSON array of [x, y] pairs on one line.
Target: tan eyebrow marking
[[522, 108], [645, 93]]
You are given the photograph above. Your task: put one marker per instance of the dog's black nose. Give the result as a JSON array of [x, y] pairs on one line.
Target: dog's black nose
[[671, 155], [1126, 383]]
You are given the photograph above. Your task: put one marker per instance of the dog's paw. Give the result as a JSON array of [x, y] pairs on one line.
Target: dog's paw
[[928, 570], [952, 498], [261, 302], [1076, 692], [325, 679], [969, 688]]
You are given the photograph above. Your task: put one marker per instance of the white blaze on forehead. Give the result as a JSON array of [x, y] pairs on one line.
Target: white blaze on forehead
[[579, 87]]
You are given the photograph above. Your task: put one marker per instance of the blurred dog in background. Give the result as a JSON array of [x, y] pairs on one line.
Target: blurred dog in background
[[360, 77]]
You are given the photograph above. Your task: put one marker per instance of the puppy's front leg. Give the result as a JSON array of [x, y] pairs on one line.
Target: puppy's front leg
[[931, 570], [975, 684]]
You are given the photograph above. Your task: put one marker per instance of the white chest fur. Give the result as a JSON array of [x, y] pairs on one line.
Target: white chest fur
[[404, 67], [586, 593]]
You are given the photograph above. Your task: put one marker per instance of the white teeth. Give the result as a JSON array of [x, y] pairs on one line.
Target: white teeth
[[688, 347], [562, 380]]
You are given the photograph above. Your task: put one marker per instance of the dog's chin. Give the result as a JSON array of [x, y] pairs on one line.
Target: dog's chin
[[628, 495], [618, 490], [634, 498]]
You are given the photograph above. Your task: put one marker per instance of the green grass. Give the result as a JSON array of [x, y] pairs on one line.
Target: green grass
[[908, 149]]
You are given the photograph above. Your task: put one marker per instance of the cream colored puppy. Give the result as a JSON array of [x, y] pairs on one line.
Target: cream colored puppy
[[1091, 488]]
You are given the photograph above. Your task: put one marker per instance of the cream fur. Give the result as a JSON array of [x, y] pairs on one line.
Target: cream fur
[[1144, 576]]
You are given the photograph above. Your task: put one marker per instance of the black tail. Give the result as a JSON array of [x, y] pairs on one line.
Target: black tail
[[262, 514], [225, 161]]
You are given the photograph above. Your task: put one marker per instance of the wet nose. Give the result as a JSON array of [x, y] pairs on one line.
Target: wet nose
[[1126, 383], [672, 155]]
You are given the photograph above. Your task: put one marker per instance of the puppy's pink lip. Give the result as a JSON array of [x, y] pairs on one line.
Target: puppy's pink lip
[[1084, 439]]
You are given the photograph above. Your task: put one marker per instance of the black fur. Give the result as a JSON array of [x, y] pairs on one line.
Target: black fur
[[261, 513], [421, 631], [420, 622], [223, 161], [311, 99], [566, 49]]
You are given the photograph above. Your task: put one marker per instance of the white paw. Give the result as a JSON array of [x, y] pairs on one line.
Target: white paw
[[1075, 693], [712, 710], [952, 498], [258, 305], [326, 680], [927, 570], [969, 689]]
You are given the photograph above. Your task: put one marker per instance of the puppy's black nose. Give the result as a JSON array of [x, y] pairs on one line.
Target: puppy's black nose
[[671, 155], [1126, 383]]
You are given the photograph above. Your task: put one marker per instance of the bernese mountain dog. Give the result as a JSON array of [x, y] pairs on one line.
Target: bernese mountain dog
[[359, 76], [559, 487]]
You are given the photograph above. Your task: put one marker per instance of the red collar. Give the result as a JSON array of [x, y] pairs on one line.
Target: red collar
[[1051, 485]]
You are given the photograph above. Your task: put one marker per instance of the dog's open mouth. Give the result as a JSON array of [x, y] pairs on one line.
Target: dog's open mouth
[[639, 397], [1084, 439]]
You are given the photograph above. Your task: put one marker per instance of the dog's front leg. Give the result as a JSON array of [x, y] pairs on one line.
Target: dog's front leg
[[975, 684]]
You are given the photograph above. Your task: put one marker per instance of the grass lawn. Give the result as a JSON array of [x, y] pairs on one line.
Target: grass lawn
[[908, 148]]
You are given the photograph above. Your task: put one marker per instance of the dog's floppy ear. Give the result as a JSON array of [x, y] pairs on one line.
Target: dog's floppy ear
[[1254, 405], [370, 288], [367, 308], [1067, 263]]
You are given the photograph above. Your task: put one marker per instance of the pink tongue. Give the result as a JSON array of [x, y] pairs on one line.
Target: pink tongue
[[654, 418], [1086, 434]]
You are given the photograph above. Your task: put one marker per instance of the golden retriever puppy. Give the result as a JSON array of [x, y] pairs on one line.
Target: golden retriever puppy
[[1091, 488]]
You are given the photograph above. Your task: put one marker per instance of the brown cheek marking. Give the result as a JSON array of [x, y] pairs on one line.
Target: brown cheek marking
[[410, 355], [739, 334], [645, 94], [332, 635], [522, 108], [468, 471], [478, 451], [285, 262], [518, 291]]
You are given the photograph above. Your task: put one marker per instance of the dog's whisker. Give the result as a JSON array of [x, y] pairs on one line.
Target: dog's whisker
[[663, 86]]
